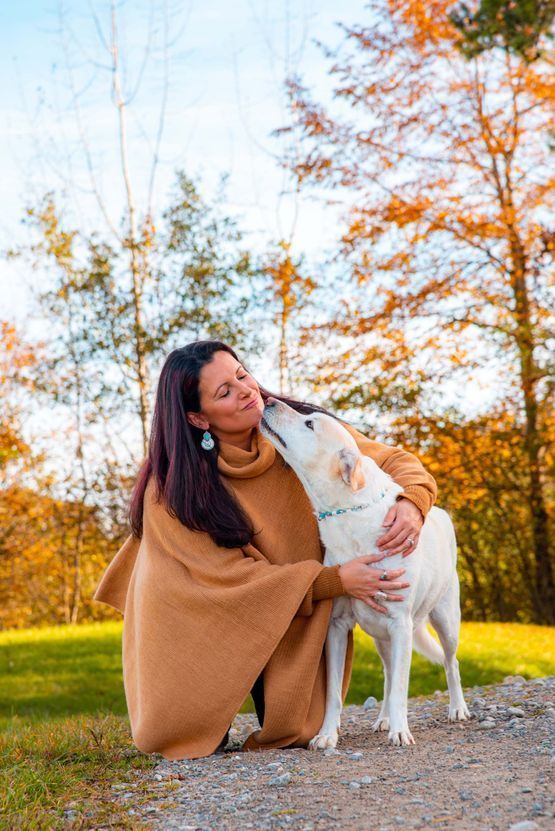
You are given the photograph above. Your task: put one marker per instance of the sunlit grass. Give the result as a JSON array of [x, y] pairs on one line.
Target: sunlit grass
[[66, 736], [76, 670], [66, 764], [488, 652], [61, 670]]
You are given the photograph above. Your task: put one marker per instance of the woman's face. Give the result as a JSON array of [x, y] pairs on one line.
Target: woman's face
[[230, 401]]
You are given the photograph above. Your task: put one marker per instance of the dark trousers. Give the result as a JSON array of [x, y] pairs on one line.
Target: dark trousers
[[257, 694]]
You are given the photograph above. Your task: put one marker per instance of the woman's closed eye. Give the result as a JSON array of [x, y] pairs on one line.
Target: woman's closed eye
[[239, 378]]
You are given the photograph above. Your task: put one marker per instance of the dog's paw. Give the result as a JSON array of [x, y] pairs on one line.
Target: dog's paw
[[460, 713], [323, 741], [401, 738], [381, 724]]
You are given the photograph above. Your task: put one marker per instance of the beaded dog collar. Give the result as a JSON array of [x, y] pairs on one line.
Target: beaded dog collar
[[323, 514]]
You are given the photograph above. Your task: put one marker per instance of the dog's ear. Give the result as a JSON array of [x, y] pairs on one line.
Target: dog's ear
[[350, 468]]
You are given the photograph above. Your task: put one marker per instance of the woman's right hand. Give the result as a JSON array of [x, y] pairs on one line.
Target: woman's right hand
[[363, 582]]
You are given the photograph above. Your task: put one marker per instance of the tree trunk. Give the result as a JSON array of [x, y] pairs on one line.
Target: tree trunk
[[283, 350], [137, 273], [544, 580], [77, 570]]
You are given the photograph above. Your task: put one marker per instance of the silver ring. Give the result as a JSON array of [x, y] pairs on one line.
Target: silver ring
[[383, 575], [410, 540], [380, 596]]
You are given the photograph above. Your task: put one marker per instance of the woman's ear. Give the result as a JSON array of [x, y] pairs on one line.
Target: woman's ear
[[197, 421]]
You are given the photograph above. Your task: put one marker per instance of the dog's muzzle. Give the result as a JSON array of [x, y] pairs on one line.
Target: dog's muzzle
[[272, 431]]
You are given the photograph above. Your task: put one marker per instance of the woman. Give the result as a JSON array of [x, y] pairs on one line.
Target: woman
[[221, 582]]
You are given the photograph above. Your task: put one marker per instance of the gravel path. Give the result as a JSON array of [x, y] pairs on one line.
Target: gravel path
[[494, 772]]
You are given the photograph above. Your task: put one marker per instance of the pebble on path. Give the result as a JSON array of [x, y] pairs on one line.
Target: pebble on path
[[462, 776]]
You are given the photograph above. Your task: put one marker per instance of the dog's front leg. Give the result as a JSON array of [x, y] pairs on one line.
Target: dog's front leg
[[383, 648], [401, 653], [336, 649]]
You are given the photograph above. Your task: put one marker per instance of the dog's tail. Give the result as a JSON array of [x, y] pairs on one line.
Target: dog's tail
[[425, 645]]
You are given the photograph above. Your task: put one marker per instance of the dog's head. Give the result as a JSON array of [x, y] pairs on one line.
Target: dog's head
[[319, 449]]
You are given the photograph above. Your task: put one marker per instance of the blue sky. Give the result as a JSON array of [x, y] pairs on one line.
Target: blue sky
[[228, 62]]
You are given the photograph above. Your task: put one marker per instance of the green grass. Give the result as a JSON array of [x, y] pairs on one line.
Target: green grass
[[67, 764], [65, 732], [487, 653], [76, 670]]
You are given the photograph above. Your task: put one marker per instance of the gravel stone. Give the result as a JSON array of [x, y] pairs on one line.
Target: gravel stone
[[284, 779], [462, 776]]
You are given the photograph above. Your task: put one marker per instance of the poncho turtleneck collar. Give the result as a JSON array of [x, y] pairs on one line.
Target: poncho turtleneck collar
[[245, 464]]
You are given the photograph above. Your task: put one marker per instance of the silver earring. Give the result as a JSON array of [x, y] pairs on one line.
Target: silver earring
[[207, 442]]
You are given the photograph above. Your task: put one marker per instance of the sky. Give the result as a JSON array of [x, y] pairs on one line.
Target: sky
[[228, 62]]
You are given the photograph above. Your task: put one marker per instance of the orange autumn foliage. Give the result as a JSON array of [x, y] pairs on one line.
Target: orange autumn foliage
[[38, 531], [446, 167]]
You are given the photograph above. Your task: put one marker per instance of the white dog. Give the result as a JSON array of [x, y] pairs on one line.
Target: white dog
[[351, 496]]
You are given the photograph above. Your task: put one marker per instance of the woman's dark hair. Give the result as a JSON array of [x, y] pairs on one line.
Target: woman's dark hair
[[186, 476]]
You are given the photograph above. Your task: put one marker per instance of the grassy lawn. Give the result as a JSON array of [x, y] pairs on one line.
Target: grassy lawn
[[65, 736], [487, 653]]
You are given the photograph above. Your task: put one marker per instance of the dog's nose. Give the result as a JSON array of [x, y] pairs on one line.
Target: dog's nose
[[270, 402]]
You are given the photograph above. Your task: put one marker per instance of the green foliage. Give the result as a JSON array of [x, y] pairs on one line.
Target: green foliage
[[517, 26], [191, 281]]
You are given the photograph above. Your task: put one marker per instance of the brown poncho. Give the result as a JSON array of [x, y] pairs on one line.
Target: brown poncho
[[201, 622]]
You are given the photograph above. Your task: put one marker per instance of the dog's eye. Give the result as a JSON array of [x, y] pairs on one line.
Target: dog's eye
[[310, 424]]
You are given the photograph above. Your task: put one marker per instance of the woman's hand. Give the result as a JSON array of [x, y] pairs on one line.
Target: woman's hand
[[363, 582], [404, 521]]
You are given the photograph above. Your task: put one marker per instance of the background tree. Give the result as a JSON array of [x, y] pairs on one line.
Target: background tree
[[523, 27], [448, 241], [117, 291], [480, 466], [50, 550], [290, 289], [71, 514], [16, 358], [198, 285]]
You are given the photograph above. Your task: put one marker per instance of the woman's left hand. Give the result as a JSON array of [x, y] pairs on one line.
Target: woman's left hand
[[404, 521]]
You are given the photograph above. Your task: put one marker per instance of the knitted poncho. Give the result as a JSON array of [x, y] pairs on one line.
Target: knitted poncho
[[201, 622]]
